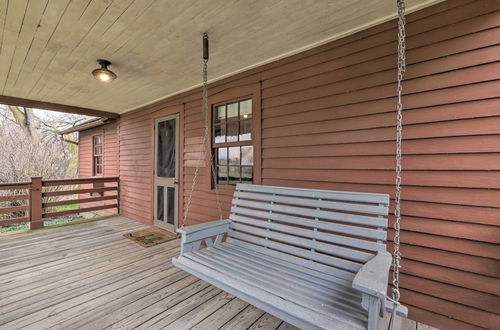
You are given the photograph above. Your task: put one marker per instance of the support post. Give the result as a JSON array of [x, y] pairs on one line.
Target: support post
[[35, 201]]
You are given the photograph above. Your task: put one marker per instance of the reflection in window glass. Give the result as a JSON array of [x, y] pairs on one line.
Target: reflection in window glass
[[247, 155], [232, 110], [234, 174], [234, 165], [233, 122], [245, 130], [247, 174], [234, 156], [221, 112], [232, 131], [222, 175], [220, 133], [232, 142], [222, 160], [245, 109]]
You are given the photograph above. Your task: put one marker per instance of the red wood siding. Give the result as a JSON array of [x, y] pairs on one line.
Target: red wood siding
[[110, 153], [328, 121]]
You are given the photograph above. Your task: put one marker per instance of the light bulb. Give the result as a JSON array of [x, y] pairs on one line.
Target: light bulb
[[104, 77]]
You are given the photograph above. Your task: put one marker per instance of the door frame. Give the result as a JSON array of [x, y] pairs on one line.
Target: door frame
[[178, 171]]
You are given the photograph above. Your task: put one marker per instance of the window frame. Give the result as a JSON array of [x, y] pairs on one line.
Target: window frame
[[94, 155], [241, 93], [217, 145]]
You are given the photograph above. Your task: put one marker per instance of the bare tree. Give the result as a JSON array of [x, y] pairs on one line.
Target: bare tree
[[31, 144]]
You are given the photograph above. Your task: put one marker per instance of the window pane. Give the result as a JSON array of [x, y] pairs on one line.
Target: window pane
[[220, 133], [247, 174], [234, 174], [234, 156], [246, 109], [222, 175], [222, 156], [165, 166], [232, 110], [159, 203], [246, 130], [247, 155], [220, 113], [232, 131], [171, 205]]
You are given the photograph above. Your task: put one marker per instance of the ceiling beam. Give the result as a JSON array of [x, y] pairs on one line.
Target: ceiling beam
[[9, 100]]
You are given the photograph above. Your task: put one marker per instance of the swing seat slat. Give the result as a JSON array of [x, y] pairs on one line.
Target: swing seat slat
[[314, 258]]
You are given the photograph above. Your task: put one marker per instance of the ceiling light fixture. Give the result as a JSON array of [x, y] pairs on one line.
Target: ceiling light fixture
[[103, 73]]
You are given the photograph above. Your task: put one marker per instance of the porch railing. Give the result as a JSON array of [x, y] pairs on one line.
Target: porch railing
[[40, 200]]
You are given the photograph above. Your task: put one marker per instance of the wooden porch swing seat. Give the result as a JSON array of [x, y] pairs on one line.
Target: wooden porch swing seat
[[314, 258]]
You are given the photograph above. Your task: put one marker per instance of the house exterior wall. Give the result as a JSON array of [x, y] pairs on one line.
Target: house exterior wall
[[110, 154], [328, 121]]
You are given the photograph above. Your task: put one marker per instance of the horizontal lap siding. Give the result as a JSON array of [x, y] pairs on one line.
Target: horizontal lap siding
[[110, 135], [136, 166], [328, 122], [331, 125]]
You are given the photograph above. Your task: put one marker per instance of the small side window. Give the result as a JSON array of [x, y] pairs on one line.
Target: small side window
[[97, 155]]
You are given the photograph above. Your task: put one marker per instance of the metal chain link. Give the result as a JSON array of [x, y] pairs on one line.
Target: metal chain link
[[399, 134], [206, 146]]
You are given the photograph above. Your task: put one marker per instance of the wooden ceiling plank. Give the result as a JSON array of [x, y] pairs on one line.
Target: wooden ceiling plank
[[48, 24], [63, 59], [220, 15], [58, 40], [27, 35], [180, 23], [90, 48], [146, 22], [16, 11], [155, 44], [3, 19], [184, 24]]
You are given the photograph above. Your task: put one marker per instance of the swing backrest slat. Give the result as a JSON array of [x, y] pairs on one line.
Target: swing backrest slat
[[334, 232]]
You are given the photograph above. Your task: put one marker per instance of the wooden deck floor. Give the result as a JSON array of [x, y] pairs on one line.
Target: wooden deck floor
[[88, 276]]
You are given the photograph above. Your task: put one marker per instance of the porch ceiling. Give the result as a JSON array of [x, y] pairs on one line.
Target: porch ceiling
[[48, 48]]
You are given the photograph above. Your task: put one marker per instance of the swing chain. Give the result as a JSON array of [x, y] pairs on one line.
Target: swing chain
[[206, 146], [399, 134], [207, 116]]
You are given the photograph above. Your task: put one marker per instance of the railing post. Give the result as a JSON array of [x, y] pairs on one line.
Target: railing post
[[118, 195], [36, 203]]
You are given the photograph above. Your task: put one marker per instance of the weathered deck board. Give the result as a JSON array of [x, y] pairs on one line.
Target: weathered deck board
[[88, 276]]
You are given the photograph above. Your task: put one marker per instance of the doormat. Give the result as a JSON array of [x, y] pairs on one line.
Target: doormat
[[149, 237]]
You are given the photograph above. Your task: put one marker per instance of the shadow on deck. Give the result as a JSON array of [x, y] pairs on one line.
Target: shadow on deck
[[89, 276]]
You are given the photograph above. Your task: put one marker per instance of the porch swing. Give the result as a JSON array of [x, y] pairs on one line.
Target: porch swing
[[315, 258]]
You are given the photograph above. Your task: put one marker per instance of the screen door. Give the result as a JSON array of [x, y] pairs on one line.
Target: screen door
[[166, 172]]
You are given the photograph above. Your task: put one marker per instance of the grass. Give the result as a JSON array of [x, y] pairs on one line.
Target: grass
[[54, 223], [14, 228], [65, 207], [48, 223]]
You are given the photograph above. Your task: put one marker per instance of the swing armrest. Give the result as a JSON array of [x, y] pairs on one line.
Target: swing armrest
[[373, 276], [204, 230], [193, 235]]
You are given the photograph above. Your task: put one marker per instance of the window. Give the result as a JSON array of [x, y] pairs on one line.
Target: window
[[97, 157], [232, 142]]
